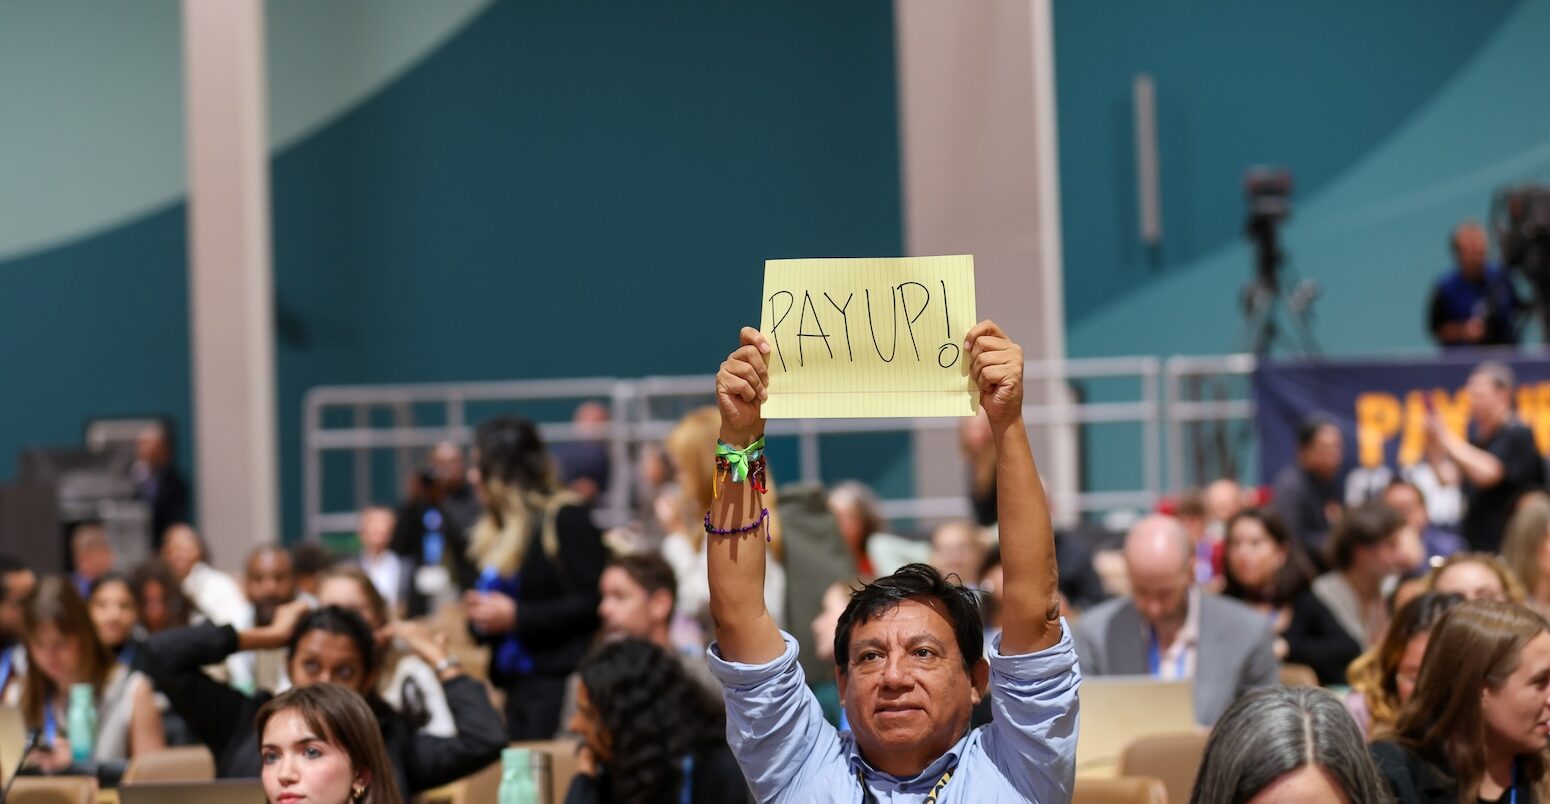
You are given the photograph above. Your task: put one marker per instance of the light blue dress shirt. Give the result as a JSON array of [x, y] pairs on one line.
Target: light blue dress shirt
[[789, 753]]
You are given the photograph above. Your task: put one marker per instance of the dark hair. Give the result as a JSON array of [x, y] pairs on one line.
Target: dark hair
[[511, 452], [110, 577], [1290, 580], [155, 570], [1273, 731], [649, 571], [1365, 525], [912, 581], [1308, 429], [309, 559], [653, 714], [336, 620], [342, 718], [8, 565]]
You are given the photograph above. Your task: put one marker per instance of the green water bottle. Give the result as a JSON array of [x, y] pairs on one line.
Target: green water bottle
[[517, 783], [82, 720]]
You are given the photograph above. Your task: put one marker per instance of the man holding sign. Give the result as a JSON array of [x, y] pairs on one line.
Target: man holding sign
[[908, 649]]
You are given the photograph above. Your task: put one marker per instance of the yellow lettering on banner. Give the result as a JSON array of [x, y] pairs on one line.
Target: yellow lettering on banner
[[1377, 420], [1452, 409], [868, 337], [1534, 409]]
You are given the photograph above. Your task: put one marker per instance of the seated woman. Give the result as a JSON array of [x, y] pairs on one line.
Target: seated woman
[[404, 681], [1476, 727], [321, 745], [1266, 569], [1383, 678], [159, 598], [116, 617], [649, 732], [1286, 744], [63, 650], [327, 645], [1475, 576]]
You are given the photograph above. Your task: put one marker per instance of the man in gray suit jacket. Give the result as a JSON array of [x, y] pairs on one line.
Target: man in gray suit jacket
[[1170, 629]]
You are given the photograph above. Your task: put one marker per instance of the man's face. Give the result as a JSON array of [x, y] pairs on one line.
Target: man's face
[[180, 549], [626, 609], [151, 447], [1382, 559], [18, 587], [269, 582], [906, 693], [1161, 593], [1488, 402], [1407, 502], [377, 530], [447, 465], [1323, 455], [1471, 248]]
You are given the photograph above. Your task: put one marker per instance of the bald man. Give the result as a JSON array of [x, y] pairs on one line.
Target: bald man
[[1169, 629]]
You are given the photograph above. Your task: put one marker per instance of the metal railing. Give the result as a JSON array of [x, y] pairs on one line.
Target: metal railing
[[636, 419]]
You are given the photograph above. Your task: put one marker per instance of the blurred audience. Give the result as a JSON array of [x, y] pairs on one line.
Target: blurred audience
[[269, 581], [309, 561], [159, 598], [213, 593], [1363, 554], [1383, 679], [1267, 570], [1526, 550], [825, 688], [979, 456], [1474, 304], [16, 583], [861, 523], [158, 483], [1475, 728], [62, 651], [91, 555], [1475, 576], [1306, 495], [1168, 629], [539, 557], [434, 524], [1287, 744], [648, 732], [1496, 460], [584, 464]]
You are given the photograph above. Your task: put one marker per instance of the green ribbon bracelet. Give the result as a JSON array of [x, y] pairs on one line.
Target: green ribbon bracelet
[[739, 460]]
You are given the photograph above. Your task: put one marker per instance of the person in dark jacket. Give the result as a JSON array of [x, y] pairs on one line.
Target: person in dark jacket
[[649, 732], [539, 557], [1266, 568], [1306, 493], [328, 645]]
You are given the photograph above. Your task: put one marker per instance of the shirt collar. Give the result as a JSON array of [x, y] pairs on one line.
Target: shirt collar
[[923, 780], [1190, 633]]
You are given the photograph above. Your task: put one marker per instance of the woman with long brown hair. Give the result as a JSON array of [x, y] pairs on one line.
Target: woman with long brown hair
[[63, 650], [322, 745], [1383, 679], [1478, 725]]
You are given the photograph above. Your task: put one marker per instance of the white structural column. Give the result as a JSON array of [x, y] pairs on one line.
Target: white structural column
[[230, 289], [977, 124]]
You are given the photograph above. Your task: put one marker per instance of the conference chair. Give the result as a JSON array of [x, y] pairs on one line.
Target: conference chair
[[1298, 675], [1171, 758], [1120, 790], [53, 790], [191, 763]]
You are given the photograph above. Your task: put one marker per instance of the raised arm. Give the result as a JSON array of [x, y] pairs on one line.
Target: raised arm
[[1030, 618], [745, 631]]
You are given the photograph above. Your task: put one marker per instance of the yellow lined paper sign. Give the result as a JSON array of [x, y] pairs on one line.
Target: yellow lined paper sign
[[868, 337]]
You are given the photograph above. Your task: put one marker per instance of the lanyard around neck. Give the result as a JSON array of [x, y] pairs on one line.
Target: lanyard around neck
[[1154, 655], [931, 798]]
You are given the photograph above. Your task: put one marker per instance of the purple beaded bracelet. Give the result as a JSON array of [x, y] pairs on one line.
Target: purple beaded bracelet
[[764, 516]]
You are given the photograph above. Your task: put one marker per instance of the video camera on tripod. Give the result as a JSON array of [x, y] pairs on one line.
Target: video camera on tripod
[[1520, 217], [1268, 194]]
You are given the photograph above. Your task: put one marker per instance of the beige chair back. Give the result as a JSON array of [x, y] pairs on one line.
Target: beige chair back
[[1120, 790], [1298, 675], [191, 763], [1172, 758], [484, 785], [54, 790]]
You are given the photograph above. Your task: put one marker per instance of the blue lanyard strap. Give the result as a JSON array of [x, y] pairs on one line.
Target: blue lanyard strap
[[50, 728], [6, 663], [687, 795], [1154, 656]]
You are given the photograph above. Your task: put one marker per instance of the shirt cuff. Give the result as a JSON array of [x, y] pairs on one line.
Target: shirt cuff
[[1056, 660], [737, 674]]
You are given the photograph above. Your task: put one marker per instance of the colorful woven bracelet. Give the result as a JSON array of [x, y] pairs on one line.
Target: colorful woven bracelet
[[736, 464], [764, 518]]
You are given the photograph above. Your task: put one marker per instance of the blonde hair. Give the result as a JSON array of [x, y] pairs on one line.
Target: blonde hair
[[691, 446], [1526, 534], [1490, 561], [500, 535]]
